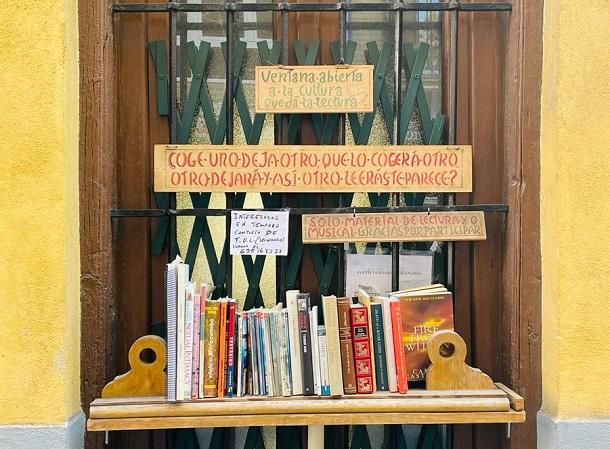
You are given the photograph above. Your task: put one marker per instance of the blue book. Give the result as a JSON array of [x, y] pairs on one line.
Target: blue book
[[378, 343]]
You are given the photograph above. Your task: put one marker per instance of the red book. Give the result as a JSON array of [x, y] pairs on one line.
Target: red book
[[231, 348], [222, 348], [362, 348], [399, 353]]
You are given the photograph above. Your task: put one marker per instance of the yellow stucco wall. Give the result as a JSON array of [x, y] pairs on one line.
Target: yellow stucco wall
[[39, 243], [575, 216]]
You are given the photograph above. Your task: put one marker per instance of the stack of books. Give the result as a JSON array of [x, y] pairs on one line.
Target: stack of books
[[374, 344]]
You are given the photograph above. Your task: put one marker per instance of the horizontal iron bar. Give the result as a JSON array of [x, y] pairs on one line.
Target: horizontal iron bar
[[309, 7], [134, 213]]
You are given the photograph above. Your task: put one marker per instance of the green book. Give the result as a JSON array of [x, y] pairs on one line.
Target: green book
[[378, 340]]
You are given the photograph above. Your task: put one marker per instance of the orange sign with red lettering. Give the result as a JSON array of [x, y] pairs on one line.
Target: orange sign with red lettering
[[309, 168], [394, 227]]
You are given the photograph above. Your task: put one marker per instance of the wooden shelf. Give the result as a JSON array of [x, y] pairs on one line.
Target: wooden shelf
[[500, 405]]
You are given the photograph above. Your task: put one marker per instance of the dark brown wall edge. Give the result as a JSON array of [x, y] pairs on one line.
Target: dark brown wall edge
[[97, 190], [522, 275]]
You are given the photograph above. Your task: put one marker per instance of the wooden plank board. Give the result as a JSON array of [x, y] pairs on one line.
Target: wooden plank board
[[516, 401], [393, 227], [218, 408], [306, 168], [300, 419], [313, 88]]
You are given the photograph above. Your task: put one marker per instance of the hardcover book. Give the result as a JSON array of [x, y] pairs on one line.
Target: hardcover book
[[196, 336], [362, 348], [305, 341], [422, 314], [293, 337], [399, 354], [331, 324], [232, 308], [346, 348], [210, 348], [378, 347]]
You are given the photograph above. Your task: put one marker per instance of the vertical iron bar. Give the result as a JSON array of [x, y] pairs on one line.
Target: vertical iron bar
[[452, 113], [396, 137], [173, 122], [341, 141], [283, 135], [229, 22]]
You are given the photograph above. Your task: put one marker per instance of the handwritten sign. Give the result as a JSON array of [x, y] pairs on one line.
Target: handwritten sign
[[394, 227], [309, 168], [259, 233], [314, 88]]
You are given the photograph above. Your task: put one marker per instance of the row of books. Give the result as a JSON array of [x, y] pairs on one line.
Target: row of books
[[350, 345]]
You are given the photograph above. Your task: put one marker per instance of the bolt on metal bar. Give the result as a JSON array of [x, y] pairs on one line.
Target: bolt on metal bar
[[309, 7]]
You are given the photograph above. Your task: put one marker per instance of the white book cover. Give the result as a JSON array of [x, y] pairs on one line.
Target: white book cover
[[315, 350], [389, 342], [295, 348], [324, 384], [274, 320], [331, 321], [189, 320], [170, 292], [196, 341], [284, 364], [183, 277]]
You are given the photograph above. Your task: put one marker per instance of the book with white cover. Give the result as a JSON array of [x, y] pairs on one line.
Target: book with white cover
[[170, 292], [315, 350], [295, 348], [324, 383], [182, 279], [189, 319], [331, 324]]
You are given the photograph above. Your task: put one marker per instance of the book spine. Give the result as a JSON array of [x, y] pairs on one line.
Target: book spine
[[284, 363], [324, 383], [389, 346], [243, 353], [262, 357], [346, 349], [196, 333], [238, 349], [222, 349], [170, 292], [210, 343], [315, 350], [331, 324], [362, 349], [274, 322], [379, 347], [399, 352], [288, 354], [253, 353], [231, 349], [202, 294], [189, 318], [305, 341], [294, 338], [269, 374], [180, 329]]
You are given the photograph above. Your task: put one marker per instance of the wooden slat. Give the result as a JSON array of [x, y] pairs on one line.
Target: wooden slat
[[272, 407], [96, 193], [299, 419], [516, 401], [522, 274]]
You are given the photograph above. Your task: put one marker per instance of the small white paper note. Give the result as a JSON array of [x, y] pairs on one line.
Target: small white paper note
[[259, 233]]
